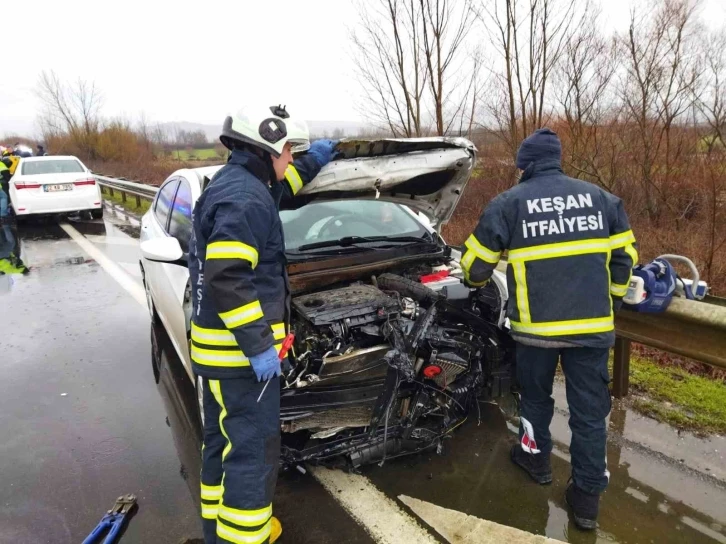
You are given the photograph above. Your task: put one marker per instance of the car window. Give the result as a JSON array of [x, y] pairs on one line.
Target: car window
[[56, 166], [164, 200], [180, 226], [324, 221]]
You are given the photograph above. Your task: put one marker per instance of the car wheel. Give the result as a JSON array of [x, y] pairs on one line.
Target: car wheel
[[97, 214]]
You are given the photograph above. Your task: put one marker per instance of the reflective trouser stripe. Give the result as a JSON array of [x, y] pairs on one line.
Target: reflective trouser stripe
[[621, 240], [293, 178], [232, 250], [209, 511], [565, 328], [214, 387], [211, 492], [245, 518], [242, 315], [618, 290], [243, 537]]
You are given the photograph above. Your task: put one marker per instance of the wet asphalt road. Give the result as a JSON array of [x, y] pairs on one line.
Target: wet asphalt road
[[83, 421]]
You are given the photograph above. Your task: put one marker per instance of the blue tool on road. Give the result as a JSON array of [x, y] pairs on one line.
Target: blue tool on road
[[112, 521]]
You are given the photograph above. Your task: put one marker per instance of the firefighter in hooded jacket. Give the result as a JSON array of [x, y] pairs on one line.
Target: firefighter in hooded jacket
[[241, 301], [570, 256]]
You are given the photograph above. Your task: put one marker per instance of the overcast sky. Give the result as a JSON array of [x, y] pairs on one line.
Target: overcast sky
[[197, 61]]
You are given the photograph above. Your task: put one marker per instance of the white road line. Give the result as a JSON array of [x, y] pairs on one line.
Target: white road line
[[459, 528], [113, 269], [386, 522]]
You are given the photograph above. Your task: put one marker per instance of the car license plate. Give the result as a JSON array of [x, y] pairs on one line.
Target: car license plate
[[61, 187]]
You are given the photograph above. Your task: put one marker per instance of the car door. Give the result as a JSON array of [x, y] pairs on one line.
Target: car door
[[176, 277], [155, 225]]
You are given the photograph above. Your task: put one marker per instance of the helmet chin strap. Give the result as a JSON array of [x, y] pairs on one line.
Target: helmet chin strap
[[270, 167]]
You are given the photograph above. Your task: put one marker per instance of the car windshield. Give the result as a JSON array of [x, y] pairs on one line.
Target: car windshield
[[328, 221], [56, 166]]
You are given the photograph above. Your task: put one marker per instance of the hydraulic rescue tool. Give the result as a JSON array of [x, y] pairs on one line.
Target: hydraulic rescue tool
[[653, 285]]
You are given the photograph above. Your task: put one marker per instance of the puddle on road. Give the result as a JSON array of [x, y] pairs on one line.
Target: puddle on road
[[648, 500]]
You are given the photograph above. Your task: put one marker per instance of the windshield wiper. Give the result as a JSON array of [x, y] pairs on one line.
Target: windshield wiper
[[347, 241]]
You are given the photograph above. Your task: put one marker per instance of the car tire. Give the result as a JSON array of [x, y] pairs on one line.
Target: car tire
[[97, 214], [155, 354], [149, 301]]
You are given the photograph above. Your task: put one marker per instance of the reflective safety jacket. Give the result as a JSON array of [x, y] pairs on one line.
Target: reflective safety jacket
[[237, 264], [570, 257]]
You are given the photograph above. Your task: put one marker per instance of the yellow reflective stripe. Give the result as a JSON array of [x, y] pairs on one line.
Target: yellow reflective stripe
[[244, 537], [622, 239], [245, 518], [232, 250], [562, 249], [278, 331], [618, 290], [209, 511], [481, 251], [225, 358], [242, 315], [520, 278], [211, 492], [217, 392], [212, 337], [564, 328], [632, 252], [293, 178]]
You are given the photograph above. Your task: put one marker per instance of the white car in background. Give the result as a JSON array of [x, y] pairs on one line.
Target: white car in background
[[54, 185]]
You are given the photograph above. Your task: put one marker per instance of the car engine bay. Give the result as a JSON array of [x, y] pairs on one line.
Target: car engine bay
[[389, 366]]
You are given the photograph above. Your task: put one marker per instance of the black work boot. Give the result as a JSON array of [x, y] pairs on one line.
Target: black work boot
[[584, 506], [537, 466]]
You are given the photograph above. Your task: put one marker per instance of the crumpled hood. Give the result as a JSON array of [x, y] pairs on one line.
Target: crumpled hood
[[426, 174]]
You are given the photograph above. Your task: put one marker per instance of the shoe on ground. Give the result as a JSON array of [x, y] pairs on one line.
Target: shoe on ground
[[276, 530], [584, 506], [536, 465]]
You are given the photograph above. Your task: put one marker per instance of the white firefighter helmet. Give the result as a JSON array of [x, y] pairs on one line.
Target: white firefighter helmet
[[266, 128]]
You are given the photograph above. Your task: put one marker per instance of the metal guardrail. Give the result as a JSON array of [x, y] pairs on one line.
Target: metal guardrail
[[693, 329], [126, 188]]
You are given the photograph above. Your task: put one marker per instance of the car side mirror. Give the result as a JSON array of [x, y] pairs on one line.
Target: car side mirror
[[163, 250]]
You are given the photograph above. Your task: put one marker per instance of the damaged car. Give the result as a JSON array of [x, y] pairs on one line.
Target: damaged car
[[391, 351]]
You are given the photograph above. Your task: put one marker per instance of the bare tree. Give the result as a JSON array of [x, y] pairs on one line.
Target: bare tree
[[70, 108], [661, 72], [585, 94], [530, 36], [405, 53]]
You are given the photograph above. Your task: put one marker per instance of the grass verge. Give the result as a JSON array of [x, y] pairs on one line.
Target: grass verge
[[130, 203], [673, 395]]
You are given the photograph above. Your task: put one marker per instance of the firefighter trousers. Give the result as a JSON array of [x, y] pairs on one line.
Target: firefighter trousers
[[240, 459], [588, 399]]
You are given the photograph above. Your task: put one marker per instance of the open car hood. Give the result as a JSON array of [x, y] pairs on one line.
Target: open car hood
[[425, 174]]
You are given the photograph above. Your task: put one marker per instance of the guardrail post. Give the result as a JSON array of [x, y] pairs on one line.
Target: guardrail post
[[621, 368], [110, 191], [138, 201], [123, 196]]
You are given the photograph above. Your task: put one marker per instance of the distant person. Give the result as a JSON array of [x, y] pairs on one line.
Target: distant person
[[5, 176], [41, 151], [571, 253]]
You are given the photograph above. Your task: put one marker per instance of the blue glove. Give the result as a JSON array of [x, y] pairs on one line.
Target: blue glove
[[266, 364], [323, 151]]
